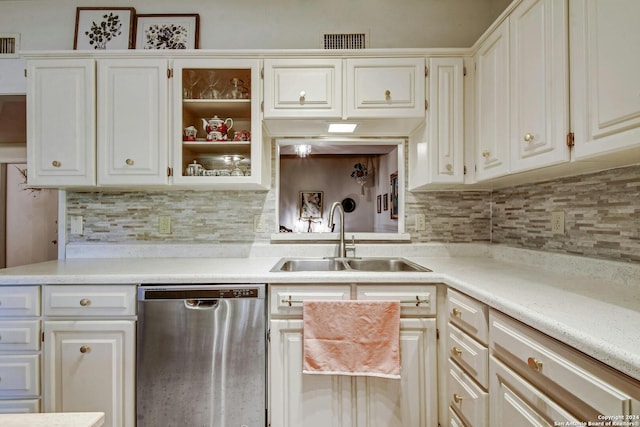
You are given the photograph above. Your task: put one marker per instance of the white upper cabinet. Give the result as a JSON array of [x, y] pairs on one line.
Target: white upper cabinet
[[605, 88], [492, 105], [310, 88], [389, 87], [539, 84], [132, 121], [436, 153], [61, 122], [219, 100]]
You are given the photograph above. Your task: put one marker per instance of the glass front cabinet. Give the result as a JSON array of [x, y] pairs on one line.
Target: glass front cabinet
[[217, 132]]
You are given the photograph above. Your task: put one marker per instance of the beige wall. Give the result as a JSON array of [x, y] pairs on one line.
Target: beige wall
[[279, 24]]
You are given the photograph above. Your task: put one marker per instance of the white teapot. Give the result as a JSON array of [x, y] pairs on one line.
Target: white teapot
[[217, 128]]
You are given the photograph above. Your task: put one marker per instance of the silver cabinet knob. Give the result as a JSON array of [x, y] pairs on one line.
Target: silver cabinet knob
[[56, 164], [457, 398], [528, 137], [456, 312], [449, 167], [387, 94], [129, 162], [486, 154], [456, 351], [85, 302], [85, 349]]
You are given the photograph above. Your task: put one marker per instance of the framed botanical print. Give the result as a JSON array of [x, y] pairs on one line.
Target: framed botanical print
[[310, 203], [104, 28], [165, 31]]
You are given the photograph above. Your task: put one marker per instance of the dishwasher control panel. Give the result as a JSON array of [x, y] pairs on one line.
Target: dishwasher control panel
[[146, 293]]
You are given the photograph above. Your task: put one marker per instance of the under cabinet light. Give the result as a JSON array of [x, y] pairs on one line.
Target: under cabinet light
[[342, 127]]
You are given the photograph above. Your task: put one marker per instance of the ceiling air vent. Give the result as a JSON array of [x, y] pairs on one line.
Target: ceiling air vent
[[9, 45], [345, 41]]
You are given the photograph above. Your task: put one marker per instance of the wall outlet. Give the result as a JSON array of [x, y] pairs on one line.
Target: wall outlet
[[557, 222], [259, 224], [421, 222], [76, 225], [164, 224]]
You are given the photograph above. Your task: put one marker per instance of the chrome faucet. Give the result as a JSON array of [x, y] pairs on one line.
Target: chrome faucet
[[342, 251], [342, 247]]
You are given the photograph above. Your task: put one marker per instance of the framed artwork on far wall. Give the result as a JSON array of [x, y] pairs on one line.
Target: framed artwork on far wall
[[385, 202], [394, 195], [104, 28], [310, 203], [167, 31], [379, 201]]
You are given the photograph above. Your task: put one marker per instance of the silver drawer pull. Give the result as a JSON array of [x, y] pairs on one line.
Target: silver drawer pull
[[534, 364], [85, 349], [85, 302], [457, 398], [289, 301]]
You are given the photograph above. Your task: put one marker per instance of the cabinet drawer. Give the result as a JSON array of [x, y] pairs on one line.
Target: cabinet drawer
[[19, 335], [516, 402], [388, 87], [468, 400], [19, 376], [286, 300], [416, 300], [469, 354], [469, 315], [19, 301], [560, 371], [94, 300], [22, 406], [303, 88]]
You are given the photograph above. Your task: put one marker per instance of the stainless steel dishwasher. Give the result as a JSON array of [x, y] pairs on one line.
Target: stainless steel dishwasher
[[201, 356]]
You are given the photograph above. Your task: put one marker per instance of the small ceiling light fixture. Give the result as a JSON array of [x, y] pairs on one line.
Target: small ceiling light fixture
[[342, 127], [303, 150]]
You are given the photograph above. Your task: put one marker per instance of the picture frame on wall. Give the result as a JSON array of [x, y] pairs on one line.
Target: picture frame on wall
[[310, 203], [379, 203], [385, 201], [394, 195], [167, 31], [104, 28]]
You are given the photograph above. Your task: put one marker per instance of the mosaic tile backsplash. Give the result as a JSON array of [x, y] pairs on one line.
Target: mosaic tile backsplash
[[602, 215]]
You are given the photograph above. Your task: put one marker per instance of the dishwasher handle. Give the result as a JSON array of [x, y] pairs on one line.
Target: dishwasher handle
[[200, 293]]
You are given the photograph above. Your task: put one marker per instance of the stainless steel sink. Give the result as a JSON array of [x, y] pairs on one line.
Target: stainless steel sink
[[309, 264], [394, 264], [383, 264]]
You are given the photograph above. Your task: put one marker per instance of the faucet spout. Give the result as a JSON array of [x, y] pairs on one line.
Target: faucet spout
[[342, 251]]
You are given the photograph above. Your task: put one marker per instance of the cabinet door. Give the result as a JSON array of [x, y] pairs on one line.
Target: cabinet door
[[61, 122], [132, 121], [539, 84], [303, 88], [605, 106], [391, 87], [513, 401], [223, 90], [298, 399], [411, 401], [492, 105], [90, 367]]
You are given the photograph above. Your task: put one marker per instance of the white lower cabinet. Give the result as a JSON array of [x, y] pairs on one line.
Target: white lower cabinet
[[89, 351], [298, 399], [20, 349], [539, 381], [90, 368]]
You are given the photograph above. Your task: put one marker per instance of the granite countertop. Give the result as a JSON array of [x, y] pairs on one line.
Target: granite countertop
[[62, 419], [591, 305]]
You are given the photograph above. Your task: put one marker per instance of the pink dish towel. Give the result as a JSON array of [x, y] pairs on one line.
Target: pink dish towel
[[352, 338]]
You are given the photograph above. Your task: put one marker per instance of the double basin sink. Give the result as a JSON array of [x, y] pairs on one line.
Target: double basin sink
[[394, 264]]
